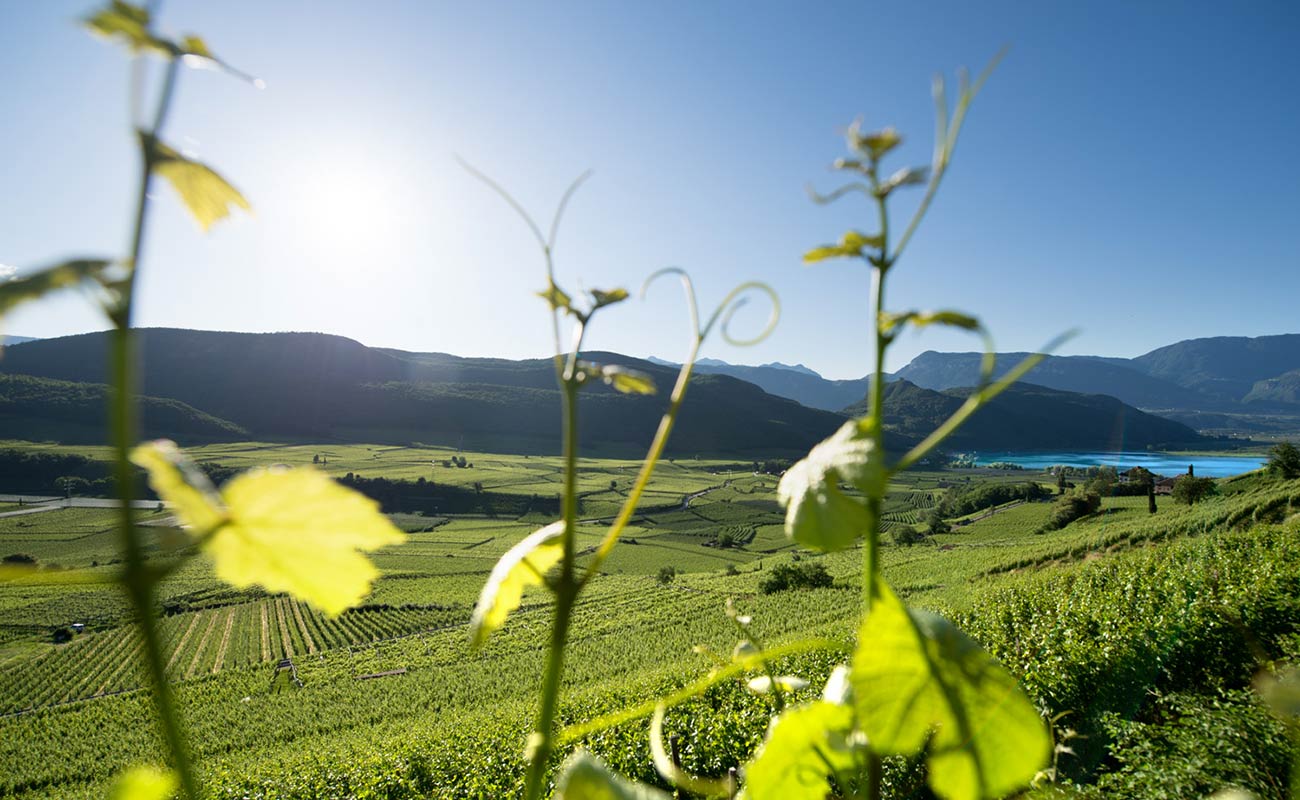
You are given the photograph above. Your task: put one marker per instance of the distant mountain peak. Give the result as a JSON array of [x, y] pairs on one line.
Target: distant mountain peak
[[792, 368]]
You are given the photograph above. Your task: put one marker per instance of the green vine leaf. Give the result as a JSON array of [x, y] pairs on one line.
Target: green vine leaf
[[891, 322], [804, 746], [627, 381], [851, 246], [195, 46], [908, 176], [144, 783], [556, 298], [585, 777], [128, 24], [522, 566], [819, 514], [917, 679], [207, 195], [19, 290], [292, 530], [600, 298], [873, 145]]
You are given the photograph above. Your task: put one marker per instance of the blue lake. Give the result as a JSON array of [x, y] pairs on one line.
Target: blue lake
[[1159, 463]]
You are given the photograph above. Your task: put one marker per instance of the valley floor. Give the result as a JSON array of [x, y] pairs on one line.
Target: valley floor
[[1117, 619]]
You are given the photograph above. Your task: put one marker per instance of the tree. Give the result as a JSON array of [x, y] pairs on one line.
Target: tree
[[1151, 498], [1190, 489], [1284, 461], [1060, 481], [936, 523]]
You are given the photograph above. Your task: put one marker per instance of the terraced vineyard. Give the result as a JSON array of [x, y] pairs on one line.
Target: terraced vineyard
[[395, 704]]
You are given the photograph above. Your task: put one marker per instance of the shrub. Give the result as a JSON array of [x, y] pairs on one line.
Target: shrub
[[667, 574], [1070, 507], [905, 534], [792, 576]]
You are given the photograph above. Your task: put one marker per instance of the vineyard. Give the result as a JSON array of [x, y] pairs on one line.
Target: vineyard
[[393, 702]]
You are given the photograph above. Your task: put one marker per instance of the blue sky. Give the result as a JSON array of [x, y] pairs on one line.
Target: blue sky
[[1129, 170]]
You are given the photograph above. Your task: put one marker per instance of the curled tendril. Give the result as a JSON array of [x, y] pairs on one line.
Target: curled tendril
[[688, 287], [730, 304], [733, 302]]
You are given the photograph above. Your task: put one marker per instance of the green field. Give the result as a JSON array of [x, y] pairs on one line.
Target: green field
[[393, 703]]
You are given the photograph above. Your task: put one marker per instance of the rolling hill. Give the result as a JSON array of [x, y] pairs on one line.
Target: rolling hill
[[324, 387], [1030, 417], [38, 409]]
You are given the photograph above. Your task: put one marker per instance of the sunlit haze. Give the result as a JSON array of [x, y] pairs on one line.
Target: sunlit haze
[[1130, 169]]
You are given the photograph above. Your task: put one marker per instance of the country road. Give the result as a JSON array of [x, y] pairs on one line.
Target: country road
[[35, 504]]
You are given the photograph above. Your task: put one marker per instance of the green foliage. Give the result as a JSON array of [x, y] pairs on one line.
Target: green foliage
[[819, 514], [208, 196], [1190, 745], [987, 495], [1190, 490], [1284, 460], [16, 291], [523, 566], [804, 575], [918, 682], [1071, 507]]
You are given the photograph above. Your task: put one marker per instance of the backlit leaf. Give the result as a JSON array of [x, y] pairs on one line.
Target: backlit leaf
[[818, 514], [293, 530], [23, 288], [298, 531], [195, 46], [628, 381], [585, 777], [556, 298], [919, 682], [891, 321], [522, 566], [875, 144], [851, 246], [143, 783], [128, 24], [803, 746], [207, 195], [908, 176], [183, 485], [602, 298]]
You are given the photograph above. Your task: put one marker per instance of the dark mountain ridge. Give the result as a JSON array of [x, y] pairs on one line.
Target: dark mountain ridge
[[325, 387], [1195, 377], [1030, 417]]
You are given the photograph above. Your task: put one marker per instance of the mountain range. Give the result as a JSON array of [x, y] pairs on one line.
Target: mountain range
[[205, 386], [1229, 383]]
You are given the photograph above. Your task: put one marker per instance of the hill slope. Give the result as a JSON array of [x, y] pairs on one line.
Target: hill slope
[[323, 387], [1224, 367], [1030, 417], [41, 408], [941, 371]]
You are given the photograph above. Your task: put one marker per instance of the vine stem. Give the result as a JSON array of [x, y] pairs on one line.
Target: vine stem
[[542, 741], [139, 580], [875, 505]]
